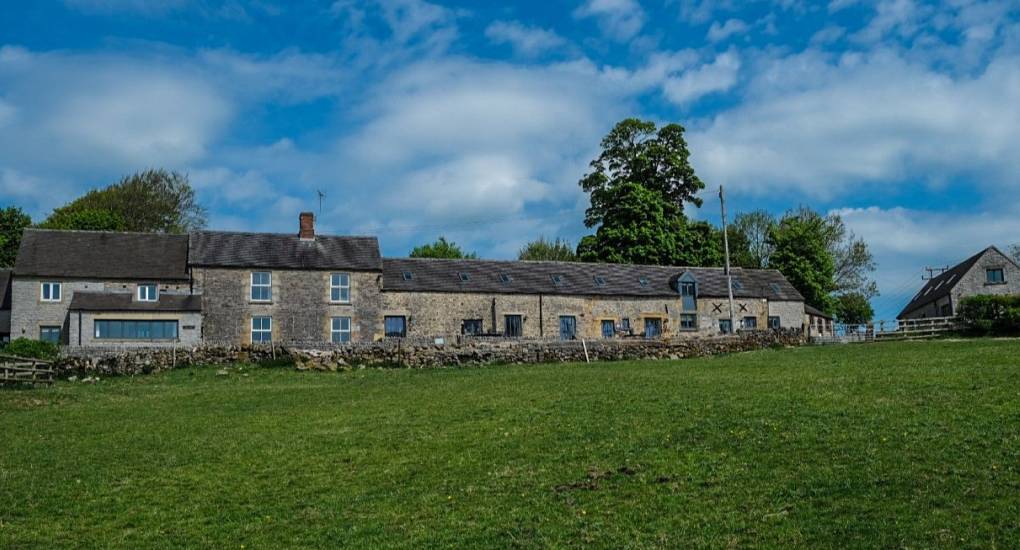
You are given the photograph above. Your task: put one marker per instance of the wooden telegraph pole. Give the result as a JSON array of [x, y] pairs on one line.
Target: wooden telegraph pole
[[726, 250]]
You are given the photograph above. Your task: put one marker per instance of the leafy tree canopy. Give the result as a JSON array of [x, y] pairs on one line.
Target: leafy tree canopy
[[750, 230], [639, 226], [13, 221], [543, 249], [854, 308], [800, 253], [635, 151], [1015, 252], [441, 249], [85, 219], [157, 201]]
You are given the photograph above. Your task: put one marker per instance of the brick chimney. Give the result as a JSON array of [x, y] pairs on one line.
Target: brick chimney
[[307, 232]]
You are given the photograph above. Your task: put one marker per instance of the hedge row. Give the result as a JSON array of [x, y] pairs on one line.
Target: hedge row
[[998, 315]]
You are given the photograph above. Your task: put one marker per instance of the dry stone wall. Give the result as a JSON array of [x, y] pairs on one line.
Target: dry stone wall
[[420, 354]]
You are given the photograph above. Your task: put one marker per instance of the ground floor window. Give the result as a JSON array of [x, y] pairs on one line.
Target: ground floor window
[[396, 326], [568, 327], [750, 323], [773, 321], [50, 334], [107, 329], [261, 330], [725, 326], [513, 326], [340, 330], [608, 328], [688, 321], [653, 327], [625, 324], [472, 326]]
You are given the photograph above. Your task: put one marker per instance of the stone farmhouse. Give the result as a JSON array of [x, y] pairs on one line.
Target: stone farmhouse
[[987, 272], [87, 289]]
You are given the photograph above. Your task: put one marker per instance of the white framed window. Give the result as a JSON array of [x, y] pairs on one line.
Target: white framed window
[[148, 293], [340, 288], [261, 286], [340, 331], [261, 330], [50, 292]]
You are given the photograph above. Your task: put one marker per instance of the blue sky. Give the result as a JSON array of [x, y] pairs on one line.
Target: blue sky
[[476, 119]]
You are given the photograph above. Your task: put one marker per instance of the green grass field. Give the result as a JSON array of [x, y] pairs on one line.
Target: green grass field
[[891, 445]]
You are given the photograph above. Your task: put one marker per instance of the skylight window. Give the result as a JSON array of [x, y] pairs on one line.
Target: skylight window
[[737, 285], [505, 278], [643, 281], [557, 280], [600, 281], [407, 275], [774, 287], [464, 277]]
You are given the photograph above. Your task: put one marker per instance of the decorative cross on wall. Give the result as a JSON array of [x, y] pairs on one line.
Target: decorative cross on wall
[[716, 308]]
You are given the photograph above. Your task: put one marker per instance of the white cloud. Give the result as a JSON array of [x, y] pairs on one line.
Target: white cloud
[[719, 32], [902, 18], [828, 35], [621, 20], [526, 41], [718, 76], [822, 125]]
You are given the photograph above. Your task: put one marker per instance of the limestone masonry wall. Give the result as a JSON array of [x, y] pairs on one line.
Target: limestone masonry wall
[[407, 353]]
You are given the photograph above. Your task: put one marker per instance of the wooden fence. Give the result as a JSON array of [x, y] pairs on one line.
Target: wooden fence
[[20, 370], [907, 329]]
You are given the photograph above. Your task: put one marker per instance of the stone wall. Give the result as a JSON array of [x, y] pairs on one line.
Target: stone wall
[[29, 312], [300, 308], [402, 353]]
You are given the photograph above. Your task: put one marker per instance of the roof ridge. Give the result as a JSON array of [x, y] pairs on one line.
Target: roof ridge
[[102, 232], [277, 234], [564, 262]]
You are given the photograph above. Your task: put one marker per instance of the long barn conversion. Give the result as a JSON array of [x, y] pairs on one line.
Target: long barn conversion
[[82, 288]]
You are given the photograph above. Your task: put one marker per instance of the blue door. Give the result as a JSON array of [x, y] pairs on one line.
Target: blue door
[[608, 328], [568, 327]]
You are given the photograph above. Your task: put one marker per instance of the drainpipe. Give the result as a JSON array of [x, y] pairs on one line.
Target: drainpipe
[[494, 316], [541, 318]]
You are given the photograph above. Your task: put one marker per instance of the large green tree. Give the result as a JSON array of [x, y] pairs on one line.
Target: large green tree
[[638, 187], [13, 221], [544, 249], [800, 253], [158, 201], [853, 308], [635, 151], [442, 248]]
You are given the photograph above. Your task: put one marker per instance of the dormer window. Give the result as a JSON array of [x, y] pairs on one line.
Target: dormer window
[[688, 289], [148, 293]]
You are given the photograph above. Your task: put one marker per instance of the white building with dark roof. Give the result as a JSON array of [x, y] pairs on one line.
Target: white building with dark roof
[[987, 272], [83, 288]]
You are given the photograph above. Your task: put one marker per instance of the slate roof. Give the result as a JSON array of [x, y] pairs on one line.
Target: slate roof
[[484, 276], [811, 310], [283, 251], [102, 255], [942, 285], [123, 301]]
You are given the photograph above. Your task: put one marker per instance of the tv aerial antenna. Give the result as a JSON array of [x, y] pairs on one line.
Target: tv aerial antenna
[[321, 196]]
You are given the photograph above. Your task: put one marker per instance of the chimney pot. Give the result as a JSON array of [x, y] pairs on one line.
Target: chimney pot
[[307, 232]]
